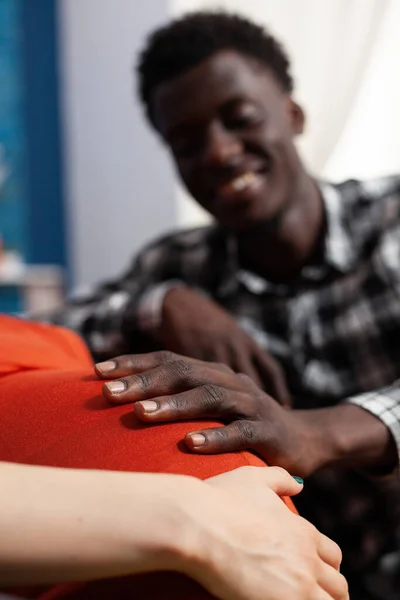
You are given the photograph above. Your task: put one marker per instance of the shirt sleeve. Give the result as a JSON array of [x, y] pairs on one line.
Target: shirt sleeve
[[384, 402], [150, 304], [385, 405]]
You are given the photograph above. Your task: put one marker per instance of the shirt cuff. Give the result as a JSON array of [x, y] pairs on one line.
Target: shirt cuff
[[385, 405], [151, 305]]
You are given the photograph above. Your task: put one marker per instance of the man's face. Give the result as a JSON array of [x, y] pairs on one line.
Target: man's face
[[230, 128]]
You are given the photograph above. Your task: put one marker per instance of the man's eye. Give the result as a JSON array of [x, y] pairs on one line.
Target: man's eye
[[246, 119]]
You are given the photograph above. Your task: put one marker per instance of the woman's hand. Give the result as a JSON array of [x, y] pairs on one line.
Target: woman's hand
[[253, 548]]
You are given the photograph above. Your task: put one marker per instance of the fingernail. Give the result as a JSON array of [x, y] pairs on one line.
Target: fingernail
[[116, 387], [106, 367], [198, 439], [149, 406], [299, 479]]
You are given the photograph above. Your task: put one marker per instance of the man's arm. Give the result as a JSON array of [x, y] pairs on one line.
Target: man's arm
[[352, 436], [167, 387]]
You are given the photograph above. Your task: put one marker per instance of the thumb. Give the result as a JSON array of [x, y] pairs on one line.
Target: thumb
[[281, 482], [255, 481]]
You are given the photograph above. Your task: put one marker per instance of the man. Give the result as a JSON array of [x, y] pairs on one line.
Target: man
[[296, 285]]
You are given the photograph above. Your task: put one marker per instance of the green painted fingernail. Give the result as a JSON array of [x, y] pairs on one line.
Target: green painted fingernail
[[298, 479]]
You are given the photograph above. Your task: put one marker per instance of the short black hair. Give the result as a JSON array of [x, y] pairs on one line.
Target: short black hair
[[187, 41]]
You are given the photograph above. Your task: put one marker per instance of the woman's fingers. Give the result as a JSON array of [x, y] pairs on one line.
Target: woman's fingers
[[333, 583], [329, 551]]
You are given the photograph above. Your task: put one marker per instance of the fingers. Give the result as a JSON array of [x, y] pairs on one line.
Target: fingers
[[170, 378], [256, 478], [273, 377], [243, 364], [321, 594], [221, 354], [333, 583], [239, 435], [329, 551], [280, 481], [202, 402], [128, 364]]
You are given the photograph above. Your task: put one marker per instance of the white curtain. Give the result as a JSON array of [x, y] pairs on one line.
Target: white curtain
[[344, 62], [369, 145]]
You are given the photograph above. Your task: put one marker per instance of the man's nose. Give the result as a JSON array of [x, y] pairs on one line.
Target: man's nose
[[223, 147]]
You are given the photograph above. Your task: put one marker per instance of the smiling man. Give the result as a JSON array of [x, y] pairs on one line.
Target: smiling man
[[297, 285]]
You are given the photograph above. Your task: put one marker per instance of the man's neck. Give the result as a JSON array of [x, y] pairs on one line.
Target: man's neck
[[279, 253]]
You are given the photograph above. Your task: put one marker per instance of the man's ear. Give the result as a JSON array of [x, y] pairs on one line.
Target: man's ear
[[297, 117]]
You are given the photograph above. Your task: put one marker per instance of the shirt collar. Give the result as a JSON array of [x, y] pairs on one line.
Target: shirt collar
[[340, 251]]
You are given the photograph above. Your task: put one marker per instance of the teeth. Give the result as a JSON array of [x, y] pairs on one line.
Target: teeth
[[240, 183]]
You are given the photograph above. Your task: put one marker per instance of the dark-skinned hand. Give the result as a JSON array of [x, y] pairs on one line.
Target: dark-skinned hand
[[196, 326], [167, 387]]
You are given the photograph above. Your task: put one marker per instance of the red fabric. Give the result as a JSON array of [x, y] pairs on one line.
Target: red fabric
[[25, 345], [53, 413]]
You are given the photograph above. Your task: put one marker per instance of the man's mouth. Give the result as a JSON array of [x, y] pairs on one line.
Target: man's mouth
[[241, 184]]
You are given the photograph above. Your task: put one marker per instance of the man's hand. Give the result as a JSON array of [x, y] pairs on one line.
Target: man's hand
[[196, 326], [168, 387]]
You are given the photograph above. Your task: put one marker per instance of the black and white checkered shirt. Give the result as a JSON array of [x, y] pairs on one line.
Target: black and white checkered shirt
[[335, 331]]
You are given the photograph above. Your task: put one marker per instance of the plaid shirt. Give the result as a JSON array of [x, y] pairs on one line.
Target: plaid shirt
[[335, 331]]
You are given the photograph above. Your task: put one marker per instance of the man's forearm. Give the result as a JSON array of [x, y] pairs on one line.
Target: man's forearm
[[350, 436]]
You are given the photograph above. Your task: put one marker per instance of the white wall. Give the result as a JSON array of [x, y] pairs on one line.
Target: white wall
[[369, 144], [119, 183]]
